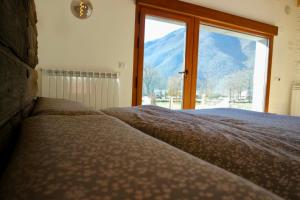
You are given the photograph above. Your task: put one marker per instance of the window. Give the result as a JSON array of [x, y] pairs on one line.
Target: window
[[164, 62], [232, 70], [200, 58]]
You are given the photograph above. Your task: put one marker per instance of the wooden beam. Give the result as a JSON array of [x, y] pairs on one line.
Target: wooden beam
[[216, 17]]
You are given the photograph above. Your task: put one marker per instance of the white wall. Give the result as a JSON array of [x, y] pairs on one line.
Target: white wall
[[108, 37], [98, 43]]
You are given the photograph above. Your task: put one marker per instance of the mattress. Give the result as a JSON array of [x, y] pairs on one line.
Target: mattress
[[257, 147]]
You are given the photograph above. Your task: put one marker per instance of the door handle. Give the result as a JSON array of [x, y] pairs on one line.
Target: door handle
[[184, 72]]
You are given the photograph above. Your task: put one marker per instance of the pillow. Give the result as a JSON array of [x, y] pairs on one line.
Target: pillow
[[50, 106]]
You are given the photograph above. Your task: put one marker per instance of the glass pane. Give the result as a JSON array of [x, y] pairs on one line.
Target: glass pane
[[232, 70], [164, 58]]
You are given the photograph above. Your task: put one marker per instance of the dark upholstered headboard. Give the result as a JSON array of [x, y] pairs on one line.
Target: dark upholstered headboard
[[18, 78]]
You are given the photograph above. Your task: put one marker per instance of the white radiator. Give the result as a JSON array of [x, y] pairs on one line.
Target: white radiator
[[94, 89], [295, 104]]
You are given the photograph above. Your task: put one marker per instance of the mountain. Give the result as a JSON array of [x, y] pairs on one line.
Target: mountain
[[166, 54], [219, 55]]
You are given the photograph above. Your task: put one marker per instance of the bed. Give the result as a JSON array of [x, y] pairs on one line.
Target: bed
[[68, 151], [58, 149], [263, 148]]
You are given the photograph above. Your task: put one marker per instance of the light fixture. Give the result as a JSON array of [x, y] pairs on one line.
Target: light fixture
[[81, 9]]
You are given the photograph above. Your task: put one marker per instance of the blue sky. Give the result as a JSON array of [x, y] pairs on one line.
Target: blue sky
[[156, 29]]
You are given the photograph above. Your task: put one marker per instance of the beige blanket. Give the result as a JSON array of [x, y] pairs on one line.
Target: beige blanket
[[267, 156]]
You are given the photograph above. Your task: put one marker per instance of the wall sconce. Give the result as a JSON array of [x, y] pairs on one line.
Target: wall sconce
[[81, 9]]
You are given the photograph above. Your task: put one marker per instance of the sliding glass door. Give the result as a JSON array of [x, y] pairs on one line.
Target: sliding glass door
[[232, 70]]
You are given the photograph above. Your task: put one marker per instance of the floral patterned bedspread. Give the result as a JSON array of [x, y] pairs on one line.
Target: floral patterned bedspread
[[61, 155], [269, 156]]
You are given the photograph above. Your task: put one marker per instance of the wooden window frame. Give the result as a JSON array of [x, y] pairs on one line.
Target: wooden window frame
[[189, 21], [202, 16]]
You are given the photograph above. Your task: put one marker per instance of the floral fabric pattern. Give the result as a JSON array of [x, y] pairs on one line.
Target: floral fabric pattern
[[99, 157], [268, 156]]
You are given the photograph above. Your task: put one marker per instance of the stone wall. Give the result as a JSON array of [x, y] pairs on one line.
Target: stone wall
[[18, 78]]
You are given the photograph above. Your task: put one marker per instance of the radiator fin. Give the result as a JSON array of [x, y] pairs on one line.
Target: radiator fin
[[94, 89], [295, 104]]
